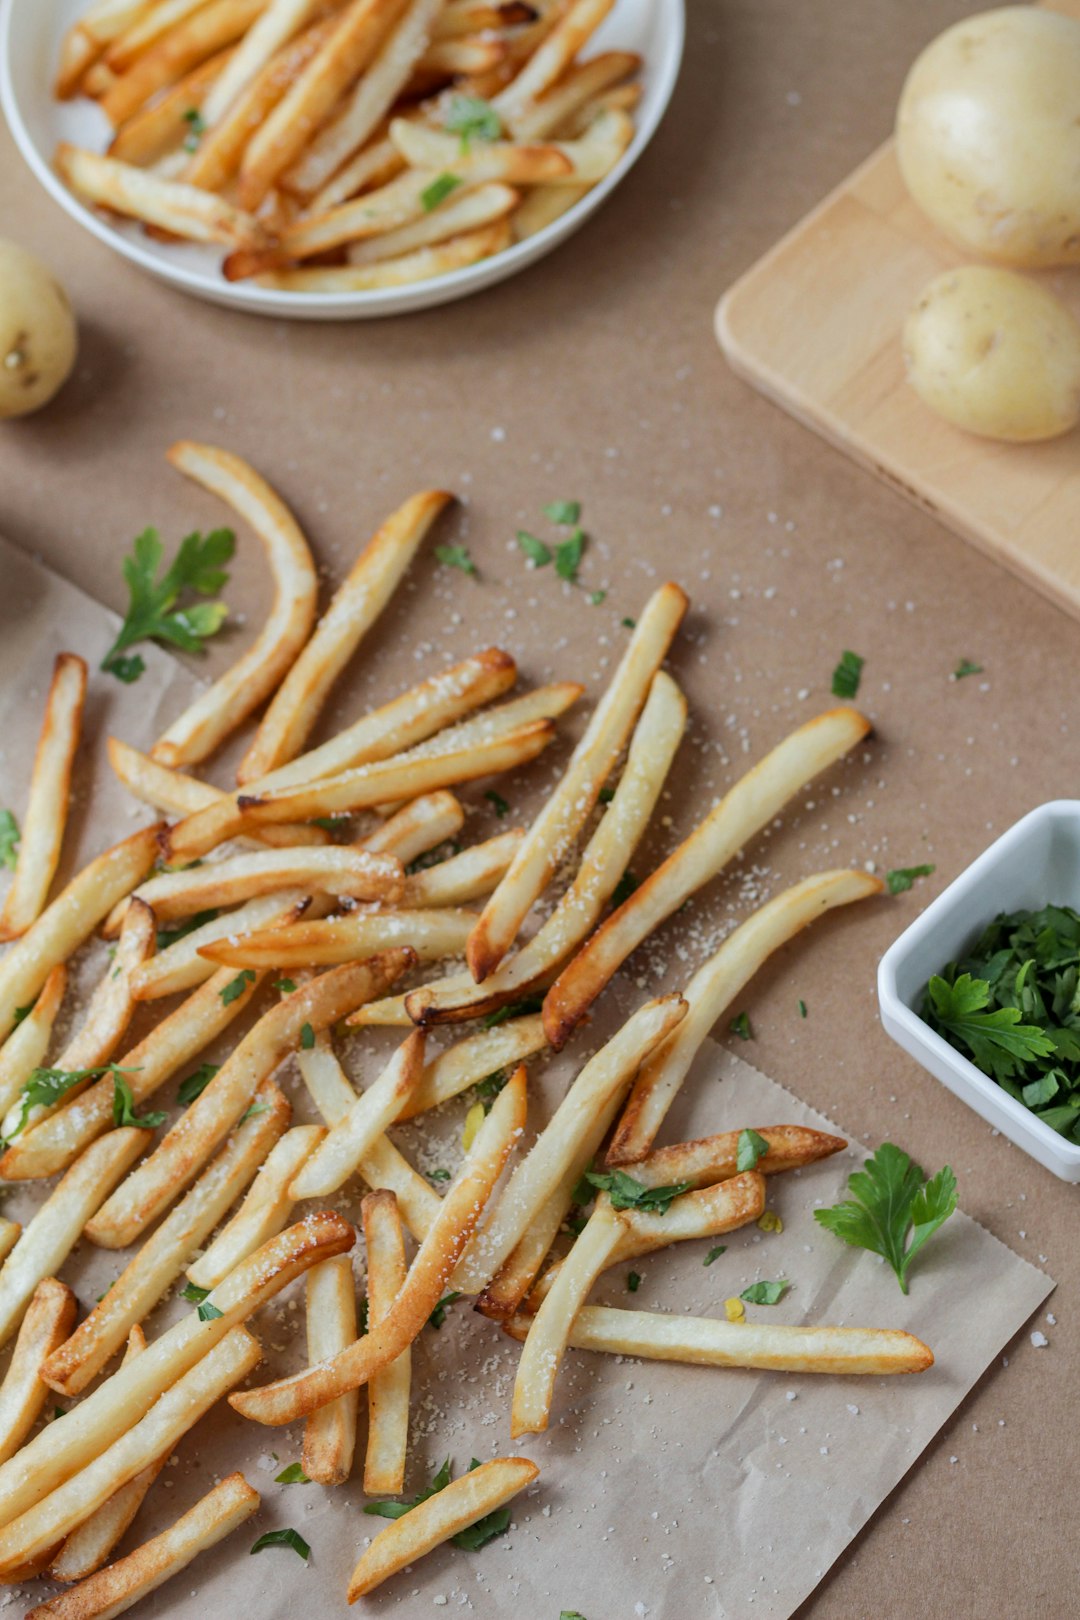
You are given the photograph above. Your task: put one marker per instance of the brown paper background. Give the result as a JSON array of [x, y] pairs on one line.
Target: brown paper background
[[594, 376]]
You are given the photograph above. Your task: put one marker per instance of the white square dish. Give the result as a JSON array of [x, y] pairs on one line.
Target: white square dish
[[1035, 863]]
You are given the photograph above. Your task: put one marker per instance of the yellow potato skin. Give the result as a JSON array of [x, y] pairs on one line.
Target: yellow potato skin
[[988, 136], [38, 336], [996, 354]]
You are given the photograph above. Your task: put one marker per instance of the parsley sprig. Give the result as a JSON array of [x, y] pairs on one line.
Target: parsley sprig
[[153, 614], [9, 840], [46, 1086], [626, 1192], [891, 1203]]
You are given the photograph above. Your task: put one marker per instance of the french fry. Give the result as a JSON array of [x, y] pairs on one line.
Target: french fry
[[47, 1241], [70, 919], [358, 602], [231, 698], [151, 1272], [159, 128], [85, 40], [365, 106], [334, 1161], [607, 856], [460, 17], [423, 265], [542, 703], [431, 935], [208, 30], [25, 1048], [418, 827], [38, 1530], [432, 1266], [473, 1059], [715, 1158], [382, 1166], [550, 61], [705, 1342], [90, 1543], [188, 1145], [712, 989], [372, 166], [623, 98], [543, 205], [338, 870], [330, 1433], [47, 806], [49, 1318], [314, 96], [571, 1130], [747, 807], [545, 1343], [56, 1140], [399, 202], [275, 28], [198, 216], [388, 1390], [479, 1492], [61, 1450], [157, 18], [112, 1590], [548, 115], [595, 152], [518, 1272], [555, 829], [435, 151], [406, 721], [264, 1212], [181, 967], [472, 210], [9, 1236], [446, 58]]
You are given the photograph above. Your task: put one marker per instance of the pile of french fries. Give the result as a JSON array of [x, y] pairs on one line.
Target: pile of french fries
[[322, 862], [346, 145]]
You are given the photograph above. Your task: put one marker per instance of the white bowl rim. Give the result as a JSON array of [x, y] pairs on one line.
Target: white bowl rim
[[270, 301]]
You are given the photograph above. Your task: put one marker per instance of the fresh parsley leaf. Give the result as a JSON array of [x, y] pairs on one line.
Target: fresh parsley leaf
[[473, 118], [537, 552], [750, 1148], [568, 555], [633, 1281], [208, 1313], [488, 1089], [605, 795], [57, 1412], [765, 1293], [513, 1009], [284, 1538], [477, 1535], [307, 1037], [714, 1253], [169, 936], [438, 1315], [596, 597], [890, 1202], [196, 125], [966, 667], [997, 1042], [236, 987], [196, 1083], [20, 1013], [153, 614], [193, 1293], [623, 889], [285, 986], [629, 624], [627, 1193], [433, 857], [802, 1007], [455, 556], [439, 189], [293, 1474], [740, 1026], [253, 1110], [123, 1108], [438, 1175], [497, 803], [9, 840], [847, 674], [46, 1086], [901, 878], [564, 513], [571, 1614]]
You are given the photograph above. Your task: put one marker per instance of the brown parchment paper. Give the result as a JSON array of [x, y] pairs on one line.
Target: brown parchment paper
[[664, 1491]]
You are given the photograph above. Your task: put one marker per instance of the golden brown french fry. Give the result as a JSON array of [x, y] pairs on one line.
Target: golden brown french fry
[[47, 806], [418, 827], [552, 834], [432, 1266], [582, 82], [279, 22], [435, 151], [406, 721], [542, 703], [570, 1131], [198, 216], [9, 1236], [47, 1241], [157, 18], [314, 96], [705, 1342], [516, 1276], [714, 1158], [219, 710], [56, 1140], [377, 162], [607, 856], [264, 1212], [165, 123], [712, 989], [472, 1497], [70, 919], [747, 807], [388, 1390], [330, 1433], [432, 935], [364, 107], [399, 202], [151, 1272], [358, 602], [85, 40], [465, 211], [545, 1343], [623, 98], [460, 17], [39, 1529], [25, 1048], [52, 1456], [180, 966], [331, 1165], [49, 1318], [450, 57], [112, 1590], [469, 1061], [543, 205], [550, 61], [423, 265], [382, 1166], [188, 1145], [208, 30]]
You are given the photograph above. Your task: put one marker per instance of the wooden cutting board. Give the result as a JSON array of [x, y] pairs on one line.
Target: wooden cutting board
[[816, 325]]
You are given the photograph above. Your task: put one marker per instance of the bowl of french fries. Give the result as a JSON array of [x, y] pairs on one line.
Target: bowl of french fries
[[334, 159]]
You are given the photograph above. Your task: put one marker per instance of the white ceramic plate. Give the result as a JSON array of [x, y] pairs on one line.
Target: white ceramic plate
[[30, 32]]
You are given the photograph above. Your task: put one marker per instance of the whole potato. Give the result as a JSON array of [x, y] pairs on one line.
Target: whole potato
[[988, 135], [996, 354], [38, 338]]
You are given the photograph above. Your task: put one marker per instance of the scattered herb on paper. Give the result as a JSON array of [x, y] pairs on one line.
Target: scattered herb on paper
[[284, 1538], [293, 1474], [626, 1192], [568, 554], [623, 889], [633, 1281], [438, 1315], [901, 878], [890, 1201], [802, 1007], [740, 1026], [153, 615], [236, 987], [196, 1083], [538, 553], [455, 557], [497, 803], [966, 667], [847, 674], [765, 1293], [714, 1253]]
